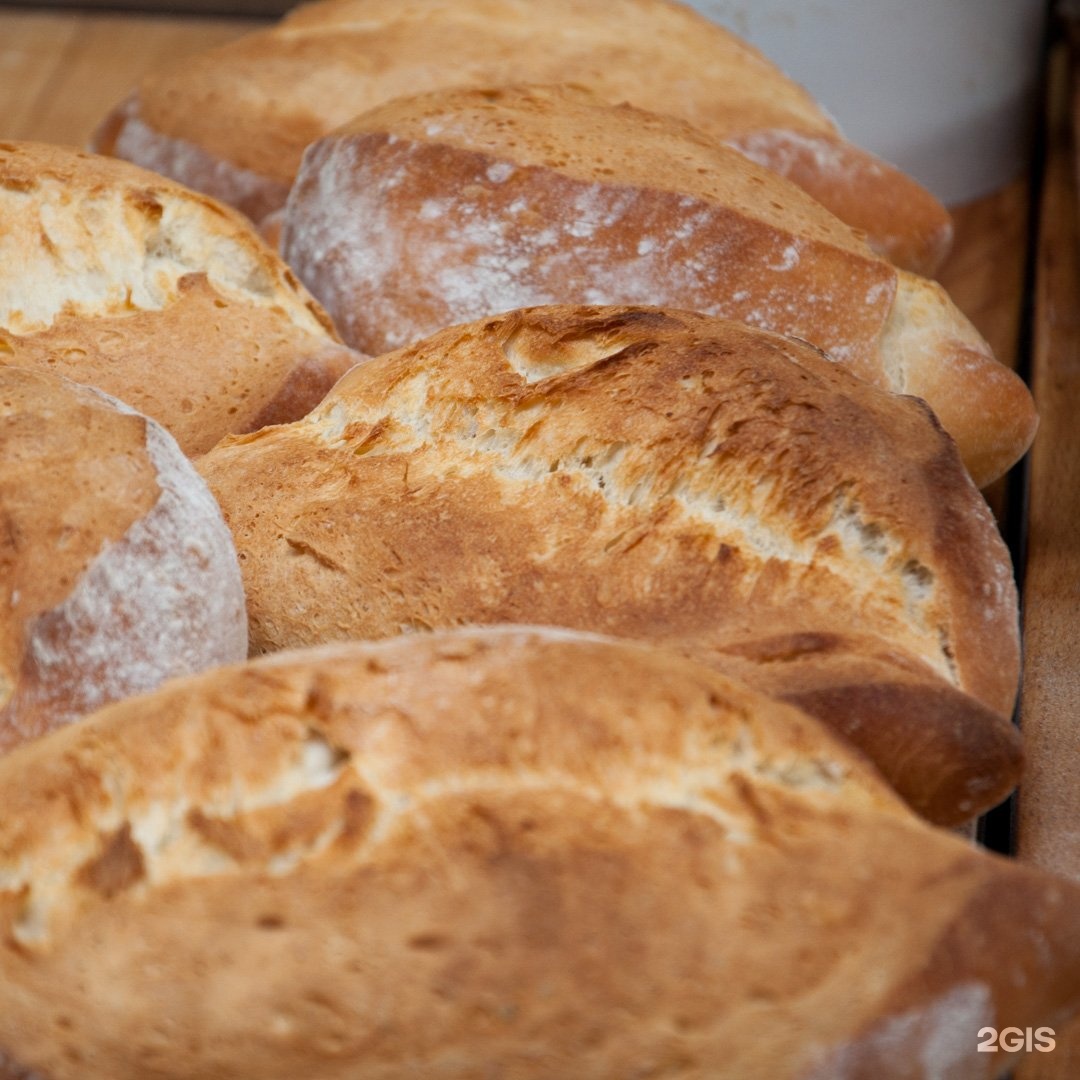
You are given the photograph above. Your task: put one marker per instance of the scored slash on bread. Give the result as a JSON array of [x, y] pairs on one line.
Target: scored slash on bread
[[658, 475], [450, 206], [513, 852], [116, 569], [127, 281], [234, 121]]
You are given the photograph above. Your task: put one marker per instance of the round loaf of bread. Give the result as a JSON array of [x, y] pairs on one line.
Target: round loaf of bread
[[506, 853], [121, 279], [658, 475], [234, 121], [116, 569], [454, 205]]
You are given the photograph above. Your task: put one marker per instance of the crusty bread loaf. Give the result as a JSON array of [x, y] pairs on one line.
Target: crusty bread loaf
[[450, 206], [654, 475], [124, 280], [116, 570], [504, 853], [234, 121]]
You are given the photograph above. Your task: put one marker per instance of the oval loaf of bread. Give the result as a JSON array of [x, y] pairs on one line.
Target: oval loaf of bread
[[234, 120], [500, 853], [116, 569], [454, 205], [655, 475], [124, 280]]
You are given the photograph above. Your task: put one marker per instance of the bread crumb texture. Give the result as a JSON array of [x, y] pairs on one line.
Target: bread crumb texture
[[119, 278]]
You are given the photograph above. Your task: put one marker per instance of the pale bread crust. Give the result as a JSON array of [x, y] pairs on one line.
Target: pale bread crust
[[933, 351], [447, 207], [234, 121], [116, 569], [508, 852], [121, 279], [656, 475]]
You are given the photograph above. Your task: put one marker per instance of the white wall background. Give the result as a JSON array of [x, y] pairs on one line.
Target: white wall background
[[942, 88]]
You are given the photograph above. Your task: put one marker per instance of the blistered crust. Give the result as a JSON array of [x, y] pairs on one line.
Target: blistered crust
[[646, 473], [124, 280], [446, 854]]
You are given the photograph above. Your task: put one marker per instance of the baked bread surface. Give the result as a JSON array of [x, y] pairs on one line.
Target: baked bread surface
[[116, 569], [450, 206], [656, 475], [234, 120], [122, 279], [512, 852]]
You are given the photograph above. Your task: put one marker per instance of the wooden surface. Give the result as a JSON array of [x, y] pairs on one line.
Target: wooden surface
[[1048, 823], [984, 273], [1051, 694], [60, 73], [265, 8]]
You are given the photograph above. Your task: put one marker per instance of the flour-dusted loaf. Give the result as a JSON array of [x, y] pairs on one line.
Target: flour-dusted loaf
[[450, 206], [116, 569], [504, 853], [124, 280], [654, 475], [234, 120]]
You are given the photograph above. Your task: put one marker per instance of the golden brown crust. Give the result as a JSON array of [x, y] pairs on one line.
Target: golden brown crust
[[572, 130], [126, 281], [256, 367], [116, 570], [512, 852], [902, 220], [869, 693], [936, 354], [289, 85], [645, 473], [450, 206]]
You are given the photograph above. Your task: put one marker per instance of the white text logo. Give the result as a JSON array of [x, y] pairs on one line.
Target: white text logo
[[1013, 1038]]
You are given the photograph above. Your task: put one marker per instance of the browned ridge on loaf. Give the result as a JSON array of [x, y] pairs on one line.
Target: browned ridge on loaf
[[657, 475], [454, 205]]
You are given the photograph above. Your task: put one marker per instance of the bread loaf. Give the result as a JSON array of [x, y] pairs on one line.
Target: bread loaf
[[655, 475], [118, 278], [511, 853], [116, 570], [234, 120], [447, 207]]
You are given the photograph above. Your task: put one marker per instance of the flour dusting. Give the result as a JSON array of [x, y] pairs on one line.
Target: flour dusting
[[393, 259], [940, 1037], [251, 192], [164, 600]]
